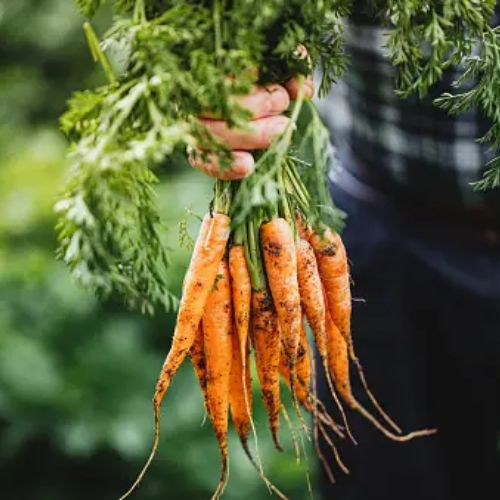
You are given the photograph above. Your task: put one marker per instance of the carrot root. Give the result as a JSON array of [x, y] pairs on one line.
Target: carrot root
[[154, 448], [335, 450], [224, 476], [292, 434], [321, 456], [295, 401], [369, 393], [316, 426], [267, 348], [338, 403], [386, 432]]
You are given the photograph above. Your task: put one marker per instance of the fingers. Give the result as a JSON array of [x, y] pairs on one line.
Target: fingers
[[266, 105], [259, 134], [242, 165], [269, 100], [293, 86]]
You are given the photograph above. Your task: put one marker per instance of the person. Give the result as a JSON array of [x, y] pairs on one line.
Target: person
[[424, 248]]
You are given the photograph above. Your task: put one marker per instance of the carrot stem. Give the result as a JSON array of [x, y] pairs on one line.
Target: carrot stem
[[239, 235], [254, 259], [286, 213], [298, 187], [222, 196]]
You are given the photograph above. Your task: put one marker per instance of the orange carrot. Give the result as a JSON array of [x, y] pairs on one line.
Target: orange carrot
[[240, 393], [311, 293], [303, 368], [199, 280], [242, 294], [305, 231], [197, 353], [334, 271], [217, 329], [313, 302], [267, 347], [280, 259], [338, 357], [207, 254], [241, 287]]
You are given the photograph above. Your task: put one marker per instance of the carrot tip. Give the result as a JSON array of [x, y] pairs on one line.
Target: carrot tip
[[386, 432], [369, 393], [277, 444], [293, 380], [246, 449]]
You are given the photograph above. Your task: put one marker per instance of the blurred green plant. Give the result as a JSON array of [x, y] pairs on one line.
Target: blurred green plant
[[76, 375]]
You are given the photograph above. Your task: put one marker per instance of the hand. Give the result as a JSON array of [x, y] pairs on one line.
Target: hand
[[266, 105]]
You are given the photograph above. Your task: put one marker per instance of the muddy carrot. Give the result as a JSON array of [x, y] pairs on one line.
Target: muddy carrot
[[334, 271], [240, 394], [267, 347], [313, 302], [197, 354], [198, 283], [280, 259], [207, 254], [242, 294], [217, 329], [303, 368]]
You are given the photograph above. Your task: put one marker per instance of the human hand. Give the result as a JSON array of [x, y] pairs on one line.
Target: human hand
[[266, 105]]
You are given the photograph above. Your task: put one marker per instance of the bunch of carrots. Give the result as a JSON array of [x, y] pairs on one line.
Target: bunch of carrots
[[250, 288]]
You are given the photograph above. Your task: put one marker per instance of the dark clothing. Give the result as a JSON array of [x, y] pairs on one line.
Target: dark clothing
[[424, 249], [411, 147], [427, 332]]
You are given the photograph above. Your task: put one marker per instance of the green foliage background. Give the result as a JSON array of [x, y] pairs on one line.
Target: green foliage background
[[76, 375]]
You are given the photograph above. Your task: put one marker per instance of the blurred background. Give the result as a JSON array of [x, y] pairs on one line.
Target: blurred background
[[76, 375]]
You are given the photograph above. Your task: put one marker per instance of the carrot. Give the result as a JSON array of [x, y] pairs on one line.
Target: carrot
[[241, 287], [305, 231], [338, 358], [280, 260], [197, 353], [217, 328], [311, 293], [313, 303], [303, 368], [267, 347], [199, 280], [248, 236], [240, 394], [242, 295], [334, 270], [207, 254]]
